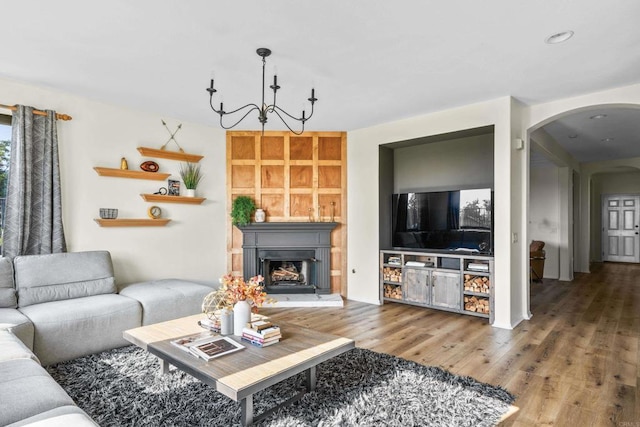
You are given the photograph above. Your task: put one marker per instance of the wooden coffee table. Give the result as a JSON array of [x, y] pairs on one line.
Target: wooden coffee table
[[241, 374]]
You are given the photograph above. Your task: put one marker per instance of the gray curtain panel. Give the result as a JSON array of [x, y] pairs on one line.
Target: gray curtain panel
[[33, 217]]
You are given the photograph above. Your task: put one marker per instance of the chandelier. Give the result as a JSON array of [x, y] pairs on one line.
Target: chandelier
[[263, 109]]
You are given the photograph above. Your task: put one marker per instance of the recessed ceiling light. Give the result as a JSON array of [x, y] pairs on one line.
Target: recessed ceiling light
[[607, 139], [573, 136], [598, 116], [559, 37]]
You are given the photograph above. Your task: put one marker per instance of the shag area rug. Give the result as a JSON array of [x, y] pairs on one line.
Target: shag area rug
[[124, 387]]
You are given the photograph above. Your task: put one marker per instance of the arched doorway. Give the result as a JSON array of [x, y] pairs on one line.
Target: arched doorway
[[574, 145]]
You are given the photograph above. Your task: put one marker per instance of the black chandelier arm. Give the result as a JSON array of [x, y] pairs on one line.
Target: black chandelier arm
[[254, 107], [285, 122], [275, 107]]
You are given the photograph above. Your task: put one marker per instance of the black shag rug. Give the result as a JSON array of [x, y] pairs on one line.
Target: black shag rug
[[124, 387]]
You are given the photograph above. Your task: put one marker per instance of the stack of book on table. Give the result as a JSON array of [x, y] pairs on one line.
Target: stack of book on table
[[211, 325], [261, 333]]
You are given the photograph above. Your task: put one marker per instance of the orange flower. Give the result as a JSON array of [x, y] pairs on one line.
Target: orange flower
[[236, 289]]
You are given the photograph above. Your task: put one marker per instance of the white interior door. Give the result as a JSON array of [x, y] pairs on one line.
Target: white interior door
[[620, 239]]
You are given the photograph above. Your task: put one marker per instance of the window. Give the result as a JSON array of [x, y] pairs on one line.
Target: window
[[5, 154]]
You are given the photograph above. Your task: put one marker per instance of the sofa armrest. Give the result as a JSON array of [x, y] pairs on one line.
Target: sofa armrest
[[13, 348]]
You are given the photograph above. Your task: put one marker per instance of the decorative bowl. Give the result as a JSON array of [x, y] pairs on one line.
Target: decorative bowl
[[106, 213]]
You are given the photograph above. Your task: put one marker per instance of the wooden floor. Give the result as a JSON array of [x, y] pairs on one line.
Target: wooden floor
[[575, 363]]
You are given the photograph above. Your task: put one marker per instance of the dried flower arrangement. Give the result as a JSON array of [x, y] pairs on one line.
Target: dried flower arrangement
[[236, 289]]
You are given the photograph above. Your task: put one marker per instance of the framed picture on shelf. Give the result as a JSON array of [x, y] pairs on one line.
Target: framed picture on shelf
[[173, 187]]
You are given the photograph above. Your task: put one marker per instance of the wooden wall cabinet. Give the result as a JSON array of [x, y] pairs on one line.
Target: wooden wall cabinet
[[451, 282]]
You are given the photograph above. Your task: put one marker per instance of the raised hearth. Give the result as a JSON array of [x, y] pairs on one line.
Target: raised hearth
[[293, 257]]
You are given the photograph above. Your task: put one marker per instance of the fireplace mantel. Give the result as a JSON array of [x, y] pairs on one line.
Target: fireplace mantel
[[289, 235]]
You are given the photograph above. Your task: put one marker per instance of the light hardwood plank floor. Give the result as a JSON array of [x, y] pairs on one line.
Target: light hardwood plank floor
[[575, 363]]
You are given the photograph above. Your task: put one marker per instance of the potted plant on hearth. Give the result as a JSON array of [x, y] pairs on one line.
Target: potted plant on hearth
[[241, 210], [191, 176]]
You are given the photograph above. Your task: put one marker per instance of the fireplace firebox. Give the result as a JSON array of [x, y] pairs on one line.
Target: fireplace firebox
[[292, 257]]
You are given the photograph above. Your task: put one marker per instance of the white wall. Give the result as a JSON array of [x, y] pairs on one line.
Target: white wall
[[363, 198], [544, 215], [193, 245]]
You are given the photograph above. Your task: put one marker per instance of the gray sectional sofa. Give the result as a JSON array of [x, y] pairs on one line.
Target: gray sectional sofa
[[62, 306]]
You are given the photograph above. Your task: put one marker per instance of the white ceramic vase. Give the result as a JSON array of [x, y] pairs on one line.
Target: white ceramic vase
[[190, 192], [226, 322], [260, 215], [241, 316]]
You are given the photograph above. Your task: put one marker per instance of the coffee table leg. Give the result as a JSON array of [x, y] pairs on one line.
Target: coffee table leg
[[164, 366], [311, 379], [246, 406]]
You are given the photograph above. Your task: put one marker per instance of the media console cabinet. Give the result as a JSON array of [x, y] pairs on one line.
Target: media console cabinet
[[460, 283]]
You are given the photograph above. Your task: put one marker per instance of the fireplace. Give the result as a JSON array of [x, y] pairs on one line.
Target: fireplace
[[288, 271], [293, 257]]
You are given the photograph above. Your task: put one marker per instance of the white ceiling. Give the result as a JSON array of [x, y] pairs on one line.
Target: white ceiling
[[370, 61]]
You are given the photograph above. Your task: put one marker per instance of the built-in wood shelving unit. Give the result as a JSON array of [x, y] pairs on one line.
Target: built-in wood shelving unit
[[164, 198], [126, 173], [132, 222], [171, 155]]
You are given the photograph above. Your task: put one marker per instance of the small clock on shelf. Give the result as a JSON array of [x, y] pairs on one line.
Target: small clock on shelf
[[154, 212]]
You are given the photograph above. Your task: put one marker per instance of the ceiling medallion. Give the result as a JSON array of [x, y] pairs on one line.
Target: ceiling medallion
[[263, 109]]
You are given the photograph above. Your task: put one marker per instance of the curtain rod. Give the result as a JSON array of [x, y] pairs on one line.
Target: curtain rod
[[59, 116]]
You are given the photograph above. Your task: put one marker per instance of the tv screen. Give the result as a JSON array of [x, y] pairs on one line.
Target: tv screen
[[459, 220]]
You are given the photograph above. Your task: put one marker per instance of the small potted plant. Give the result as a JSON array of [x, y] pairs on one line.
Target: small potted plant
[[241, 210], [191, 176]]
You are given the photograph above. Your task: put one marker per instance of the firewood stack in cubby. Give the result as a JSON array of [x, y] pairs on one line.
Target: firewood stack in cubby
[[390, 274], [476, 304], [391, 291], [480, 284]]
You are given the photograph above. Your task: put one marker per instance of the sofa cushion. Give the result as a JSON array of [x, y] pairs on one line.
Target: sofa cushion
[[26, 389], [76, 327], [19, 324], [63, 416], [55, 277], [166, 299], [13, 348], [7, 288]]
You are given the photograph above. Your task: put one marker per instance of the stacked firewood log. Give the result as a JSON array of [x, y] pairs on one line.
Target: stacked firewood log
[[285, 274], [391, 274], [477, 283], [391, 291], [476, 304]]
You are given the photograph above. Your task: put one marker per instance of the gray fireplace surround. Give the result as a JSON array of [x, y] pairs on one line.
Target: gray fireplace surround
[[281, 238]]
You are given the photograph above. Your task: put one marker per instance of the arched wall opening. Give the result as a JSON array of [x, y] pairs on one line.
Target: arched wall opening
[[575, 188]]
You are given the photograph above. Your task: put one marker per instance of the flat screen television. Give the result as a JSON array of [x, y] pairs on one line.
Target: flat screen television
[[458, 220]]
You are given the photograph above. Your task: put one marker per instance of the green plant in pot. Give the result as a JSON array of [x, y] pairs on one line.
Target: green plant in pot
[[241, 210], [191, 176]]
